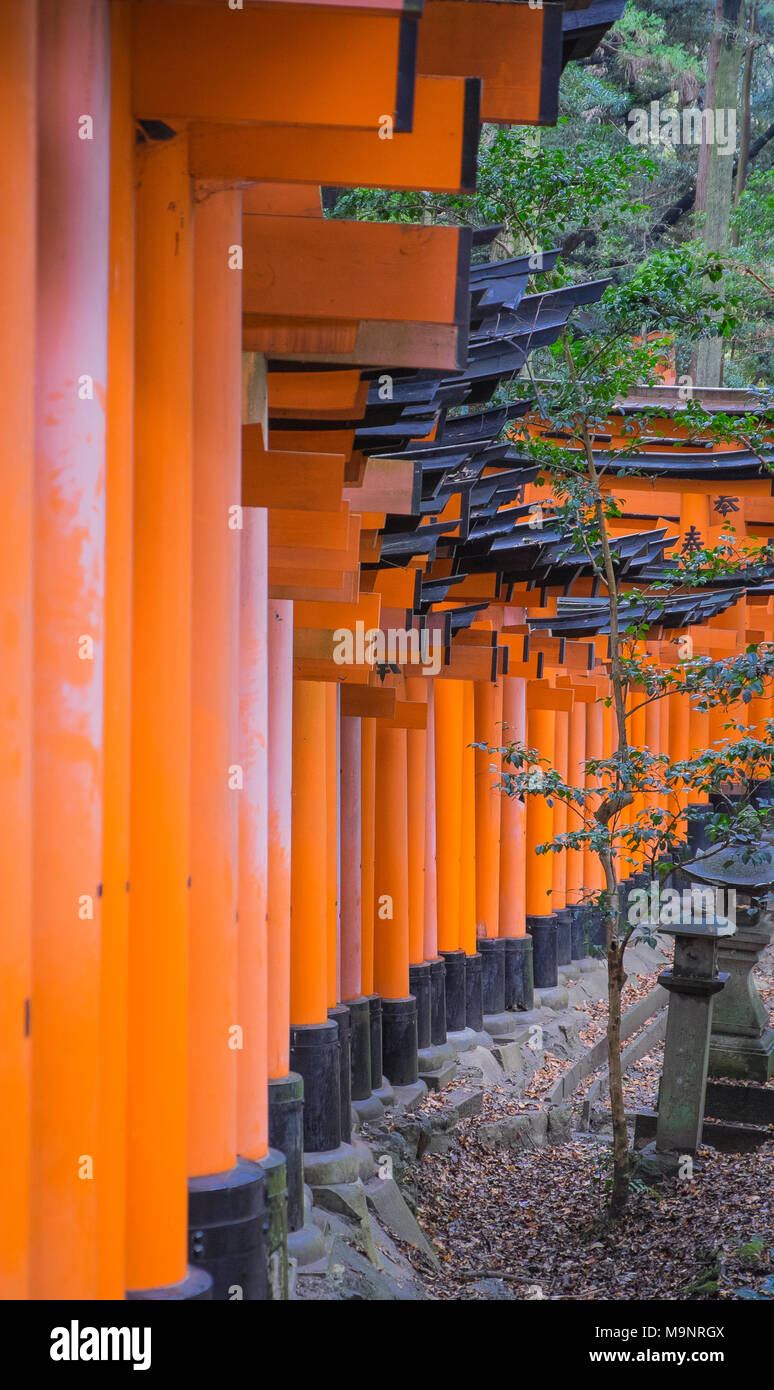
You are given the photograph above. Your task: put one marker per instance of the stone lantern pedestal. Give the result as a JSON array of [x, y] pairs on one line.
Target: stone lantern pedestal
[[692, 984], [742, 1043]]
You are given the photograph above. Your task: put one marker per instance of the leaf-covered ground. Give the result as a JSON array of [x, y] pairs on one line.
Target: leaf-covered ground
[[535, 1221], [531, 1225]]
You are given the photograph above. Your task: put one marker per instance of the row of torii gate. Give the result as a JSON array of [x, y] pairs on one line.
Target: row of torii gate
[[242, 880]]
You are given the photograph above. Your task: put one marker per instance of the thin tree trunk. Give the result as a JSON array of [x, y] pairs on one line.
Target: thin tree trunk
[[719, 189], [743, 162], [615, 982], [700, 200], [616, 976]]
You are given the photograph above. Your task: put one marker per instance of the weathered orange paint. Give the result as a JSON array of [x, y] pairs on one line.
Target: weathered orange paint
[[18, 83], [69, 597]]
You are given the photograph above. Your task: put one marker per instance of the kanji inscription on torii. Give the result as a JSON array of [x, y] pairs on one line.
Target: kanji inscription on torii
[[692, 542], [725, 505]]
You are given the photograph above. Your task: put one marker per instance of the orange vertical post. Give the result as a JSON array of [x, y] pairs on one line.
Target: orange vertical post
[[314, 1038], [541, 735], [308, 907], [562, 765], [391, 939], [420, 970], [593, 876], [118, 624], [576, 776], [637, 726], [357, 1079], [351, 857], [280, 772], [285, 1088], [69, 596], [513, 858], [431, 880], [679, 738], [215, 772], [488, 730], [159, 853], [252, 958], [559, 861], [416, 765], [448, 809], [367, 845], [654, 741], [513, 884], [331, 804], [18, 82], [391, 925], [719, 716], [664, 801], [227, 1108], [541, 924], [467, 904]]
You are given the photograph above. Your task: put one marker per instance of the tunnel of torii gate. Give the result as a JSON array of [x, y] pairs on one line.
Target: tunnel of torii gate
[[262, 591]]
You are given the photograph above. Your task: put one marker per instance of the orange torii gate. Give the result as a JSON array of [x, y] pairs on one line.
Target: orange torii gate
[[245, 878]]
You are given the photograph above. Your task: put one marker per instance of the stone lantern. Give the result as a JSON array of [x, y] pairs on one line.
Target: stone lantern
[[692, 984], [741, 1043]]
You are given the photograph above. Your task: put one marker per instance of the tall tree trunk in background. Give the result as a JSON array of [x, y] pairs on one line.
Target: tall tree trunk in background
[[700, 201], [745, 115], [720, 178]]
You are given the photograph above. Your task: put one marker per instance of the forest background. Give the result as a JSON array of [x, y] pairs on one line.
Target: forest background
[[609, 198]]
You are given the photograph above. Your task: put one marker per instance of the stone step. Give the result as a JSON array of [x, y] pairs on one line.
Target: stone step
[[510, 1057], [440, 1079]]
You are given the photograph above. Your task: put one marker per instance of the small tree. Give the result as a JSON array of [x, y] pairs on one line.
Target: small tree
[[673, 293], [584, 192]]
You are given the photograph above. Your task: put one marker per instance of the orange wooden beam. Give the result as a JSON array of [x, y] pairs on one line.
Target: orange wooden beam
[[438, 154], [390, 271], [292, 481], [268, 63], [516, 49]]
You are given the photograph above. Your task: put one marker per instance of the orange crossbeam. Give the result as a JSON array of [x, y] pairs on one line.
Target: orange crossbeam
[[516, 49], [201, 63]]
